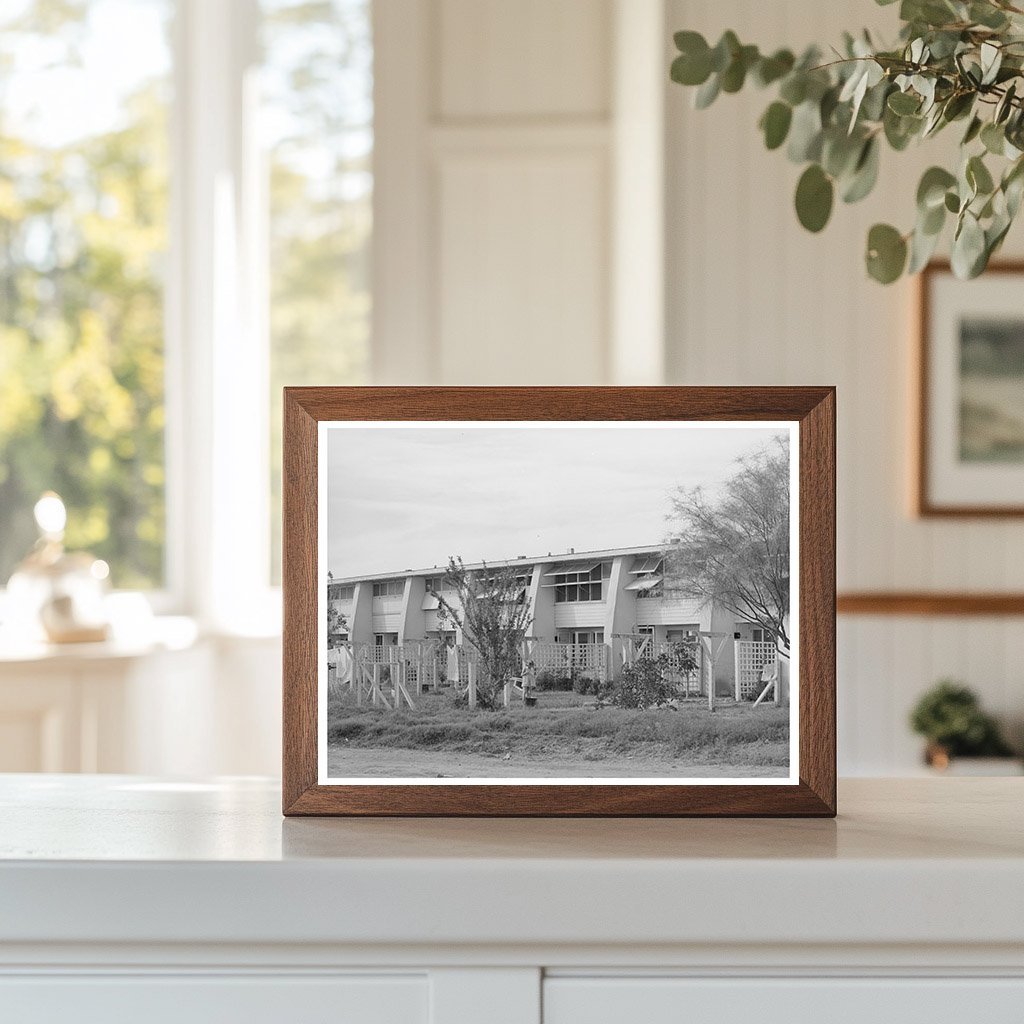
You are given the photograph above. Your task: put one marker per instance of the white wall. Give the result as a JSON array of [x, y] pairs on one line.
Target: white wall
[[495, 206], [754, 299]]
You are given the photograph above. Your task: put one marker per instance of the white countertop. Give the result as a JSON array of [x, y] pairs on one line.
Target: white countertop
[[120, 859]]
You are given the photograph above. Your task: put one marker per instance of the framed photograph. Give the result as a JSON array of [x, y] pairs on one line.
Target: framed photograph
[[970, 450], [559, 601]]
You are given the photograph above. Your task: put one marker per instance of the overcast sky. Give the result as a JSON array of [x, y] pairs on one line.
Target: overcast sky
[[403, 497]]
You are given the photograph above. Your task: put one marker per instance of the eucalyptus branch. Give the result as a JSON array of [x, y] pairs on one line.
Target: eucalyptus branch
[[955, 61]]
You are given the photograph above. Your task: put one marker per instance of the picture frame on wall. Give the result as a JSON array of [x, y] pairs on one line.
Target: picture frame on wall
[[970, 384], [559, 601]]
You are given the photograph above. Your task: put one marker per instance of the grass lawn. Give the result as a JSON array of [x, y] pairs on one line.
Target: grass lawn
[[568, 725]]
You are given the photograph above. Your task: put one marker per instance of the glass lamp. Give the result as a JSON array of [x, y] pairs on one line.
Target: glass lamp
[[55, 595]]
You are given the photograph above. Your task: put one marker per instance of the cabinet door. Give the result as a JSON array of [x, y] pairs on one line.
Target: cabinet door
[[783, 1001], [202, 999]]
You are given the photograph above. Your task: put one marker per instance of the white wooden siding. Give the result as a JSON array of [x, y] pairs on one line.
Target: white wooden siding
[[668, 611], [580, 614]]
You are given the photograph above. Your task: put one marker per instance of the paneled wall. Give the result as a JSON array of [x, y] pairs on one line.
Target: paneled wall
[[754, 299], [508, 138]]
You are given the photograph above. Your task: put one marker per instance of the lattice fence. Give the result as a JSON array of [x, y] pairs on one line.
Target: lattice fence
[[683, 660], [583, 659], [751, 658]]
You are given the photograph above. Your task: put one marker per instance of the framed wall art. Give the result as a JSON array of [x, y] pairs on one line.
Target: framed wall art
[[970, 444], [559, 601]]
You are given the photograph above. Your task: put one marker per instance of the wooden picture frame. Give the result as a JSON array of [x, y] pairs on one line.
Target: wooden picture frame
[[810, 410], [935, 475]]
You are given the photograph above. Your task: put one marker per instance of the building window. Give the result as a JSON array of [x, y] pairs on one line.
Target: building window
[[683, 634], [339, 592], [438, 585], [648, 573], [84, 171], [579, 584], [389, 588], [519, 587]]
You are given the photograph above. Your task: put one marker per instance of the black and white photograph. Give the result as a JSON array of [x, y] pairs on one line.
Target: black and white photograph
[[552, 602]]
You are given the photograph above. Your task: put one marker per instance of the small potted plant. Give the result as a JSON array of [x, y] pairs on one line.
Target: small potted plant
[[950, 718]]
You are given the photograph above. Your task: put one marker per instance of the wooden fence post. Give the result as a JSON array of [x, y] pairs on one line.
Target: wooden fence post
[[736, 668], [471, 674], [709, 666]]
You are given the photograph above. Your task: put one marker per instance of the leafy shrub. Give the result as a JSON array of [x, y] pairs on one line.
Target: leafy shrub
[[553, 681], [949, 715], [642, 685], [582, 684]]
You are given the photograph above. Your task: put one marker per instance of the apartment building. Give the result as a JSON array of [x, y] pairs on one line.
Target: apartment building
[[588, 597]]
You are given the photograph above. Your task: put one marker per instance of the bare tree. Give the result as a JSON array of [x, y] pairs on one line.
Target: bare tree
[[492, 610], [733, 550]]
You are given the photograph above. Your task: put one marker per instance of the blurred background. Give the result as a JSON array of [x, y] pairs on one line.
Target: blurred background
[[202, 201]]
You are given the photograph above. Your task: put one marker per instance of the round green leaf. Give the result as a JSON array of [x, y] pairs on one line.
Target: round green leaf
[[725, 49], [865, 173], [932, 189], [987, 15], [973, 130], [958, 106], [978, 176], [887, 253], [775, 123], [805, 133], [931, 221], [900, 130], [968, 255], [693, 65], [770, 69], [903, 103], [993, 138], [735, 74], [952, 201], [814, 195], [794, 89], [688, 42], [922, 248], [840, 152], [707, 93]]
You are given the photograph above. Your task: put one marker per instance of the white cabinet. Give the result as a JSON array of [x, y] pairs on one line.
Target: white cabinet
[[203, 999], [133, 899], [828, 1000]]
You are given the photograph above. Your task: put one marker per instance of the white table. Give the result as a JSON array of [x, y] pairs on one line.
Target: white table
[[125, 898]]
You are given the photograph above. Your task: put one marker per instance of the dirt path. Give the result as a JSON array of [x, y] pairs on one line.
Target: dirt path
[[344, 761]]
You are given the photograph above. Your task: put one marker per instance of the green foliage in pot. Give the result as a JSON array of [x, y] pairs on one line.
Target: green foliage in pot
[[950, 717], [957, 62]]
